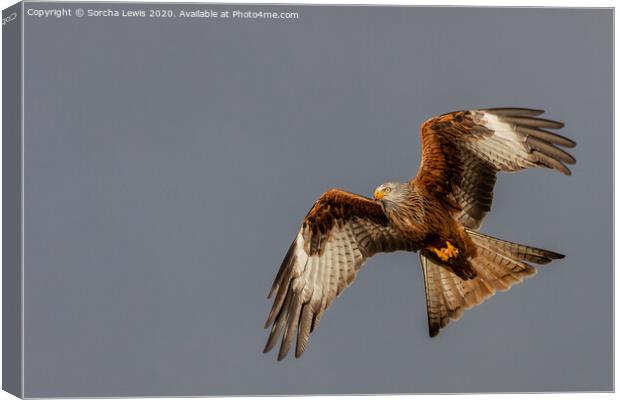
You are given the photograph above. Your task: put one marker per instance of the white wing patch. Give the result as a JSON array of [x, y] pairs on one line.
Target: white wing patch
[[505, 149], [519, 141], [310, 279], [314, 281]]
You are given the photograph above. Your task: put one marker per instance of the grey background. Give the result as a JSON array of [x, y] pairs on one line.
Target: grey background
[[11, 202], [169, 164]]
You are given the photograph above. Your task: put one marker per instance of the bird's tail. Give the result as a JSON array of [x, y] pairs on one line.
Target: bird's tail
[[498, 265]]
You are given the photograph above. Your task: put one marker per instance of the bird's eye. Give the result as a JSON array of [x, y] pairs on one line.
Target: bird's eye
[[387, 190]]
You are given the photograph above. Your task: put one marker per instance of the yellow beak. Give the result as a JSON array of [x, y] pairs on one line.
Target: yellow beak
[[379, 195]]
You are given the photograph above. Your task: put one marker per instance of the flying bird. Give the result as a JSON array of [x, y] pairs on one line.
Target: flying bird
[[437, 213]]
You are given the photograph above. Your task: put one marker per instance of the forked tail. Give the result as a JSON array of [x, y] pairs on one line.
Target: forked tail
[[498, 265]]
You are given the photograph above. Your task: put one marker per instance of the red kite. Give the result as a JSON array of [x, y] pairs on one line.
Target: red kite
[[437, 213]]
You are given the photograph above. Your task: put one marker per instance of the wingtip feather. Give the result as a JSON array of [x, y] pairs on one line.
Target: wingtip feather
[[515, 111], [299, 353], [553, 255]]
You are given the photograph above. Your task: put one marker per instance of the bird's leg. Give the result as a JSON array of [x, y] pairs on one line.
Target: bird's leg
[[445, 253]]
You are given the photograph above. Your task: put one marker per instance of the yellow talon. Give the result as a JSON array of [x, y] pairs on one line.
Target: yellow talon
[[450, 250], [446, 253]]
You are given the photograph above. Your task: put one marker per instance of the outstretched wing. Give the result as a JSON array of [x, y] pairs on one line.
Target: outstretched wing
[[341, 231], [462, 151]]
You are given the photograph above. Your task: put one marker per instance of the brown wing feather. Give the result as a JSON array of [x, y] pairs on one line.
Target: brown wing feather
[[341, 231], [463, 150]]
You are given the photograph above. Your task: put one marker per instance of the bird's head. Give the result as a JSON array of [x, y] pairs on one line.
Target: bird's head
[[390, 192], [399, 198]]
